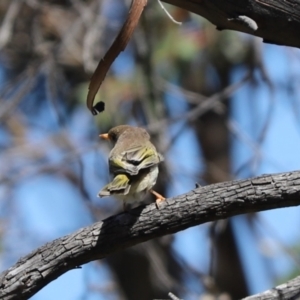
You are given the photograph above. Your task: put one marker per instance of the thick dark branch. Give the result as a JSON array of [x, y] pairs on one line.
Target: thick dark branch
[[204, 204], [276, 21], [286, 291]]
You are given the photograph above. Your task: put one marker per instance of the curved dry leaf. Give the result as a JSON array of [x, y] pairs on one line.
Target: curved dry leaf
[[119, 44]]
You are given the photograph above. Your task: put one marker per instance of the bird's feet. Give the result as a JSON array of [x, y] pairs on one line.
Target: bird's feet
[[159, 198]]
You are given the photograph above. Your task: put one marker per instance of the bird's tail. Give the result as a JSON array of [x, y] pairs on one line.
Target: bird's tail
[[119, 186]]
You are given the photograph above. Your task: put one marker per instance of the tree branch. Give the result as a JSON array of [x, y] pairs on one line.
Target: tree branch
[[276, 21], [204, 204], [286, 291]]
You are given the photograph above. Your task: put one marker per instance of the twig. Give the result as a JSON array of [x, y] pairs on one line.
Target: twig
[[21, 91], [168, 14], [7, 26], [173, 297], [201, 108]]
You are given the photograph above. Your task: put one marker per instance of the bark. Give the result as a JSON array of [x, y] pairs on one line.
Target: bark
[[276, 21], [286, 291], [204, 204]]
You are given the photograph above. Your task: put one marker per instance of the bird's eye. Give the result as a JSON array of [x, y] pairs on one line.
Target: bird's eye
[[113, 137]]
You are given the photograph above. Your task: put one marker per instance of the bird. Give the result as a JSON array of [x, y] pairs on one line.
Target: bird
[[133, 162]]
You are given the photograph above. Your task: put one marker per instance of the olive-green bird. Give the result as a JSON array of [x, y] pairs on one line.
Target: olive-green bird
[[133, 161]]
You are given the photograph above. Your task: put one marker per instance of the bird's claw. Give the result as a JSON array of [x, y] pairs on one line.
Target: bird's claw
[[159, 198]]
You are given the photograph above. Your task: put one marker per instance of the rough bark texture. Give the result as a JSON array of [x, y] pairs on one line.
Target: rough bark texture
[[276, 21], [287, 291], [209, 203]]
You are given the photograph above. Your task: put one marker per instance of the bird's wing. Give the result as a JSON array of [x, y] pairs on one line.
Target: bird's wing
[[134, 159], [119, 166], [142, 157], [119, 186]]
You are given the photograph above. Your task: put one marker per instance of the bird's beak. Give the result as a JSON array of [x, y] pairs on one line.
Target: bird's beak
[[104, 136]]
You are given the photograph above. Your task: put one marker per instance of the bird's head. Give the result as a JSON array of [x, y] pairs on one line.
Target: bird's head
[[114, 133]]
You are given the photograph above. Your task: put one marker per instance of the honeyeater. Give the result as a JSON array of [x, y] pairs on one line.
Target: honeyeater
[[133, 162]]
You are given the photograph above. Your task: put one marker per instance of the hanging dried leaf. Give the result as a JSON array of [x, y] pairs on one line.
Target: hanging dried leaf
[[119, 44]]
